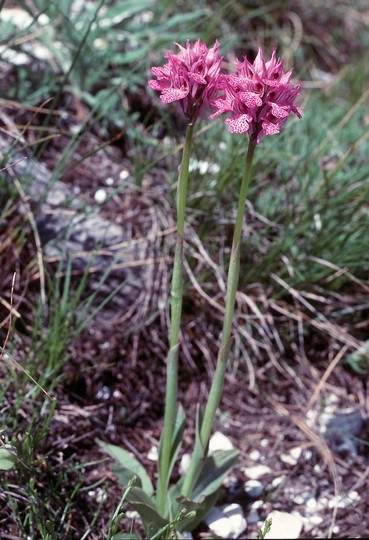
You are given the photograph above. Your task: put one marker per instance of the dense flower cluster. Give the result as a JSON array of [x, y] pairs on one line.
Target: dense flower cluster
[[259, 97], [190, 77]]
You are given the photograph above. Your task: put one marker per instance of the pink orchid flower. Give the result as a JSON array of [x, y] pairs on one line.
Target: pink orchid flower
[[259, 97], [190, 77]]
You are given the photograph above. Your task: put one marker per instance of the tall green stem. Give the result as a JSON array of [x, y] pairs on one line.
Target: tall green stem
[[171, 394], [216, 389]]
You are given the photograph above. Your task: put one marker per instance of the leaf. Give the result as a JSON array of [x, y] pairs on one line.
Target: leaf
[[179, 426], [117, 13], [130, 56], [201, 507], [7, 458], [125, 536], [177, 436], [127, 466], [213, 472], [145, 506]]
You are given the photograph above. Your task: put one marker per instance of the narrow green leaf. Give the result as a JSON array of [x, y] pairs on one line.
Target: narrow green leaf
[[215, 469], [203, 508], [127, 466], [126, 536], [146, 508], [131, 56], [7, 459], [177, 435], [117, 13]]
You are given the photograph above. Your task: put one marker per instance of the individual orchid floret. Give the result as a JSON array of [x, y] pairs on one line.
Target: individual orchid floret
[[190, 77], [260, 97]]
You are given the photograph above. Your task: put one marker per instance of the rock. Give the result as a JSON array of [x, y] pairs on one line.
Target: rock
[[254, 488], [100, 196], [226, 521], [284, 525], [342, 430], [153, 454], [184, 464], [184, 535], [255, 455], [257, 471], [67, 225], [293, 456], [218, 441], [253, 516]]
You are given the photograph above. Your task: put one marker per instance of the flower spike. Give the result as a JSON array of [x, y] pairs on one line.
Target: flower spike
[[259, 97], [190, 77]]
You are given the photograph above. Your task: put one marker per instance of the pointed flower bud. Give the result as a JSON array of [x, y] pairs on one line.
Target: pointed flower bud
[[259, 97], [190, 77]]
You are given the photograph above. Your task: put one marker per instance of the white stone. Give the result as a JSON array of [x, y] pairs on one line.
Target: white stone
[[311, 504], [132, 514], [104, 393], [18, 17], [99, 495], [254, 488], [257, 471], [184, 535], [293, 456], [264, 443], [344, 501], [124, 174], [153, 454], [184, 464], [354, 496], [316, 520], [100, 196], [278, 481], [253, 516], [298, 499], [227, 521], [219, 442], [254, 455], [284, 525]]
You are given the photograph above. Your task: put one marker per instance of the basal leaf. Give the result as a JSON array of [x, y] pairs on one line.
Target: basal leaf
[[127, 466], [7, 459], [145, 506], [215, 469], [177, 435]]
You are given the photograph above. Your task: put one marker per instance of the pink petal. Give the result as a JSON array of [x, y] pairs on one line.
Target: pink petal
[[197, 78], [239, 123], [250, 99], [157, 85], [279, 111], [173, 94], [161, 71], [269, 128]]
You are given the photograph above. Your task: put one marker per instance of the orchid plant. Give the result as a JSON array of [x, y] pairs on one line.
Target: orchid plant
[[257, 99]]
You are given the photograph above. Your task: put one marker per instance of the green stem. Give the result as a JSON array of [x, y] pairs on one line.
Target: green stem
[[171, 395], [201, 446]]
